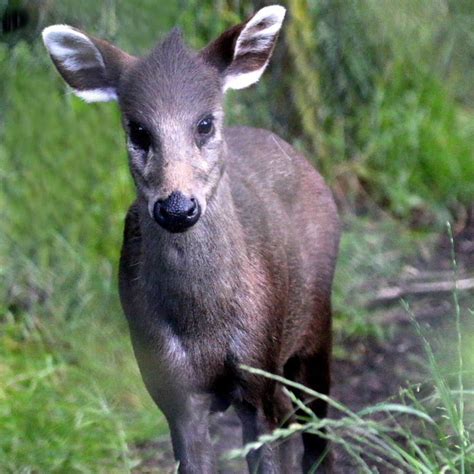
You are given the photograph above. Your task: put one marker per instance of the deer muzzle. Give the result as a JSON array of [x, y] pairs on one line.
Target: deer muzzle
[[177, 212]]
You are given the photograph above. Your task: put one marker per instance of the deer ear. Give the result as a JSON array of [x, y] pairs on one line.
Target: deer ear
[[242, 53], [90, 66]]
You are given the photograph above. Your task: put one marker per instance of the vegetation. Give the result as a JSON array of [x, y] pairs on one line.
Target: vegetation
[[379, 93]]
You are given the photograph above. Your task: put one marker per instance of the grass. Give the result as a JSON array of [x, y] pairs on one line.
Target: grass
[[372, 251], [416, 149], [404, 435], [71, 398]]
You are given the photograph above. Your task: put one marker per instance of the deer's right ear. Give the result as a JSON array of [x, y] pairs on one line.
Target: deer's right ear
[[242, 53], [90, 66]]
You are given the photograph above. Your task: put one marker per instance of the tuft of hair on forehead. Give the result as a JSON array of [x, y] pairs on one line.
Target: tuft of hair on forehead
[[171, 75], [174, 40], [174, 59]]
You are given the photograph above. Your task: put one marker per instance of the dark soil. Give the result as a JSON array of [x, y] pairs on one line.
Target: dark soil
[[371, 370]]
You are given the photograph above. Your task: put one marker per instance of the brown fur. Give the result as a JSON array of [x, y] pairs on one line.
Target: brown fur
[[249, 283]]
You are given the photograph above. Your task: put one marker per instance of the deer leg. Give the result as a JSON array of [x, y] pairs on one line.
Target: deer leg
[[263, 460], [282, 411], [189, 427], [314, 373], [275, 412]]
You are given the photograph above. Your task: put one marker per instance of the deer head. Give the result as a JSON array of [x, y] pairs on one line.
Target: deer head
[[171, 103]]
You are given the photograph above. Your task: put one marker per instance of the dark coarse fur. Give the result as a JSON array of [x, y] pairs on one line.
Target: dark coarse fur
[[250, 285], [250, 282]]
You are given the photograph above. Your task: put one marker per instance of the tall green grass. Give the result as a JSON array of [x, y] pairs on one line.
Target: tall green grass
[[70, 396], [416, 147], [381, 102]]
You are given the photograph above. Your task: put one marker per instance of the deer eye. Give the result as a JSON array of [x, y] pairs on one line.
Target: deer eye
[[139, 136], [205, 126]]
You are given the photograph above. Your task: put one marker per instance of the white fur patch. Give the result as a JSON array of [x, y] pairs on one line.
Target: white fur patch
[[75, 52], [257, 40], [273, 15], [176, 354], [241, 81], [83, 55], [106, 94]]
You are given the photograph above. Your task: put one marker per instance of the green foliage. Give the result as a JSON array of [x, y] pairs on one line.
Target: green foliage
[[368, 253], [371, 89], [416, 150], [65, 170], [374, 102], [70, 396], [205, 21]]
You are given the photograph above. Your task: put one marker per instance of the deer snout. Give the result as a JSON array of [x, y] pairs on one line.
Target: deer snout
[[177, 212]]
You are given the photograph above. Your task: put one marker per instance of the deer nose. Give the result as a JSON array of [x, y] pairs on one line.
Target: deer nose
[[177, 212]]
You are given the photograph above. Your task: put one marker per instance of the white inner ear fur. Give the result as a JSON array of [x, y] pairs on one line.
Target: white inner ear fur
[[243, 80], [76, 52], [83, 55], [259, 39], [106, 94], [273, 16]]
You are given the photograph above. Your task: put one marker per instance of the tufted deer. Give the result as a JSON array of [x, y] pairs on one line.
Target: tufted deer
[[230, 246]]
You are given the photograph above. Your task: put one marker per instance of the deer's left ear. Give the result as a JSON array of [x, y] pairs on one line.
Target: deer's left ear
[[91, 66], [242, 53]]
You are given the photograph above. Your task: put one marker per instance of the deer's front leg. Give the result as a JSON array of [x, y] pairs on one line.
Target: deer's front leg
[[186, 411], [189, 427], [265, 459]]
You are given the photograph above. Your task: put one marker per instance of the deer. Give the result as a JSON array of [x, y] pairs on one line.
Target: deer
[[230, 246]]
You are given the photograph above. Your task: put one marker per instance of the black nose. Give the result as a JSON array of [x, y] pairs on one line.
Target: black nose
[[177, 213]]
